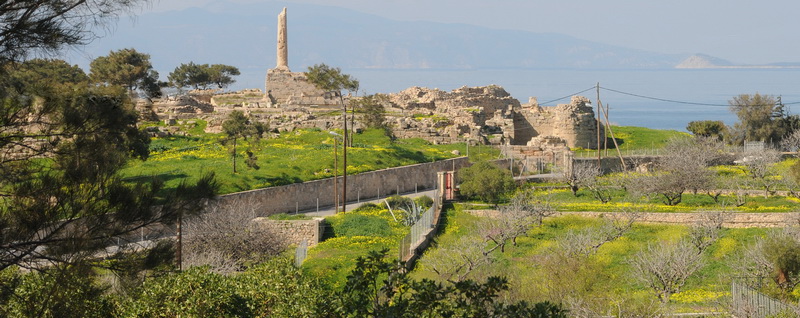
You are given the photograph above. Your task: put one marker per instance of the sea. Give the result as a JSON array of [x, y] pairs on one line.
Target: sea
[[659, 99]]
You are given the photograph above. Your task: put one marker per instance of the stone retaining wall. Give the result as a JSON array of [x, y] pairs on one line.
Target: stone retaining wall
[[292, 232], [320, 193]]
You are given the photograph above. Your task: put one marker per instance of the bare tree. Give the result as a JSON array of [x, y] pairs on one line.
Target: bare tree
[[580, 175], [665, 267], [761, 169], [791, 142], [458, 260], [515, 219], [707, 229], [225, 237], [683, 168]]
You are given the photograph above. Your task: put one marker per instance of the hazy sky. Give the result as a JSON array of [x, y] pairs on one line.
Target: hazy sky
[[743, 31]]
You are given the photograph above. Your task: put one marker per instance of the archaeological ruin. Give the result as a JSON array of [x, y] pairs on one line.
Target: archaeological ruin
[[478, 115]]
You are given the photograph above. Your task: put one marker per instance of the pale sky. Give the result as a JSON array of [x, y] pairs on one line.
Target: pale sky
[[742, 31]]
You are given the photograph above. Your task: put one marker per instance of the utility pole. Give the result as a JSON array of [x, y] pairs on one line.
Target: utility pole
[[598, 124], [335, 182]]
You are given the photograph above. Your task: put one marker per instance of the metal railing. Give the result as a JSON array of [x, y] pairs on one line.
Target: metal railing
[[420, 228], [748, 302]]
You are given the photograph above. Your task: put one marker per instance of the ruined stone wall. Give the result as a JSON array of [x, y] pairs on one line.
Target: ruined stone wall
[[466, 113], [574, 122], [309, 195], [292, 232], [293, 88]]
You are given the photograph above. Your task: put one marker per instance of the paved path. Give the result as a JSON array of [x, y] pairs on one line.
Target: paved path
[[329, 210]]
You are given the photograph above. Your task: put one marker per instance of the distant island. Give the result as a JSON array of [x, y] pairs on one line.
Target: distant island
[[702, 61]]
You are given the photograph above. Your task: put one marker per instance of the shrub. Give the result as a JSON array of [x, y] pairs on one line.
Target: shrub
[[424, 201]]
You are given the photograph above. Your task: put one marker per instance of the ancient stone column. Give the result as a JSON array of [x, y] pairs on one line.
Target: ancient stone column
[[283, 48]]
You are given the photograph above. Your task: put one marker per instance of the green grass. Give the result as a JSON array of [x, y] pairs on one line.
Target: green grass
[[630, 138], [606, 273], [292, 157], [352, 235]]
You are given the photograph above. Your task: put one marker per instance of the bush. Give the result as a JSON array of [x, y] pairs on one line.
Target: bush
[[485, 181], [425, 202], [394, 202]]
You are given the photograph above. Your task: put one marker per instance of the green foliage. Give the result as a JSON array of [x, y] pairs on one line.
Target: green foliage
[[296, 156], [44, 77], [330, 79], [202, 76], [378, 287], [783, 251], [372, 111], [708, 128], [272, 289], [397, 202], [236, 126], [53, 293], [486, 181], [761, 118], [360, 225], [127, 68], [424, 202]]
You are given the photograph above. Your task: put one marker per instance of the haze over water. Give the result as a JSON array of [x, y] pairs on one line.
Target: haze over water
[[705, 86]]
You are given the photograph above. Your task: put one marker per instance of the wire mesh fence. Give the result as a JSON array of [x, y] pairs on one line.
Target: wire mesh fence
[[419, 229], [300, 253], [748, 302]]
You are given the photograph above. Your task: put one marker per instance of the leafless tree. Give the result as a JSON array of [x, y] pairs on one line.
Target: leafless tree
[[515, 219], [683, 168], [225, 237], [665, 267], [587, 241], [791, 142], [760, 167], [458, 260], [580, 175], [707, 229]]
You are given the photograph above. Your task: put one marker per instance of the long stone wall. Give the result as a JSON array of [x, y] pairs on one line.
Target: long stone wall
[[320, 193]]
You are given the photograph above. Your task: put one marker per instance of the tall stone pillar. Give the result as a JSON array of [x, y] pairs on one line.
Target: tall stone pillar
[[283, 47]]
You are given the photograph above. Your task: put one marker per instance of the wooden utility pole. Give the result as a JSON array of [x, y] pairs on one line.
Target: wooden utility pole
[[608, 126], [598, 124], [344, 158], [335, 182]]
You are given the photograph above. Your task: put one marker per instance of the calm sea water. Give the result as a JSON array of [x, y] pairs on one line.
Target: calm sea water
[[696, 86]]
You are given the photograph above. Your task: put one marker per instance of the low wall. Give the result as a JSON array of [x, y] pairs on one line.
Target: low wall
[[320, 193], [613, 164], [292, 232], [734, 220]]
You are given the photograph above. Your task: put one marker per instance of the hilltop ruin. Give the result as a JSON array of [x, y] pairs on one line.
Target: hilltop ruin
[[483, 115]]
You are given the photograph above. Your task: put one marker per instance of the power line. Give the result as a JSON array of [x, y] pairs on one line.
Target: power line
[[568, 96], [678, 101]]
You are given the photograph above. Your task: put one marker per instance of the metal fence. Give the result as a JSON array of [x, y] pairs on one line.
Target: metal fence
[[748, 302], [419, 229]]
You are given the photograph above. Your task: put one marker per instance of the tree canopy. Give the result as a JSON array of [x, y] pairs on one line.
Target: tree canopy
[[238, 125], [202, 76], [486, 181], [127, 68], [330, 79], [761, 118], [47, 26]]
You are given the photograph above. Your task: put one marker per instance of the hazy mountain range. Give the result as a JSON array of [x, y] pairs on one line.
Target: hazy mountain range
[[244, 35]]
